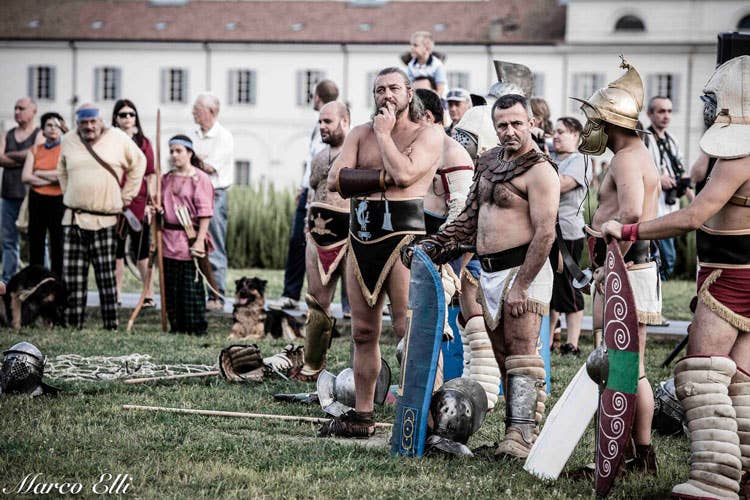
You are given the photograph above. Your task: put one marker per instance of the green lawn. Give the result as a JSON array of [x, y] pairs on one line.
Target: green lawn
[[83, 433]]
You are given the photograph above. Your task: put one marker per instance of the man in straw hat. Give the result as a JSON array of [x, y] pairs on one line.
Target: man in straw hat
[[628, 193], [713, 380]]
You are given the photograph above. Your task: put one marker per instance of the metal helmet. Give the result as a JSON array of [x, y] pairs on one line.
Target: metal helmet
[[518, 76], [458, 409], [22, 371], [597, 366], [669, 416], [499, 89], [475, 132], [337, 394]]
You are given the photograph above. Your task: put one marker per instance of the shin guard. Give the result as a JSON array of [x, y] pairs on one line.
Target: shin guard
[[318, 330], [483, 367]]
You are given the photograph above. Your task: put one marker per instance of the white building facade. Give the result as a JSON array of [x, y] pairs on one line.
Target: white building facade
[[265, 88]]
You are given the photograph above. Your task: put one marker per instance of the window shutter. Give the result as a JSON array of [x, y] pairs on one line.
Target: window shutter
[[252, 87], [30, 87], [539, 84], [117, 76], [232, 79], [675, 93], [301, 97], [97, 84], [52, 83], [651, 84], [163, 93], [185, 86]]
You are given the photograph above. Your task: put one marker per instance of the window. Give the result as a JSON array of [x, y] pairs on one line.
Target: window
[[538, 85], [242, 172], [664, 84], [306, 82], [458, 79], [371, 75], [584, 85], [242, 86], [744, 24], [107, 83], [41, 83], [630, 23], [174, 85]]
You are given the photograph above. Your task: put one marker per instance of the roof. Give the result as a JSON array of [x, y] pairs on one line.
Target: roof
[[326, 21]]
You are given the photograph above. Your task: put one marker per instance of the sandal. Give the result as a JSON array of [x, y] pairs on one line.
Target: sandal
[[148, 303], [351, 424]]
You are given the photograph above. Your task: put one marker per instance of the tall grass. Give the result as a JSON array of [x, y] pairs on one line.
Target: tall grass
[[258, 226]]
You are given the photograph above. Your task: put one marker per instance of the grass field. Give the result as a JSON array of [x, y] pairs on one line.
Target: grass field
[[83, 433]]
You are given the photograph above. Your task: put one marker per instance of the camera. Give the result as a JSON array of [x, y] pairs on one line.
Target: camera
[[673, 194]]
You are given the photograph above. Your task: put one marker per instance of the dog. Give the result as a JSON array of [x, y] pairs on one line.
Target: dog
[[249, 314], [32, 293]]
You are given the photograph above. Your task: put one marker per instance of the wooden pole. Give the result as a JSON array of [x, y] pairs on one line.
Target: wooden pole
[[159, 254], [171, 377], [235, 414]]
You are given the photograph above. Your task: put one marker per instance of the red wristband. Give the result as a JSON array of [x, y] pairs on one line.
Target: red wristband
[[630, 232]]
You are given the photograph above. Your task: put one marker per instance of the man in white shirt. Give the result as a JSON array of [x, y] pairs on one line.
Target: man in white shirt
[[214, 145], [294, 273]]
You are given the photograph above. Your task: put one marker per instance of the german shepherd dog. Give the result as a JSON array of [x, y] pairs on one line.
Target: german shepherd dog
[[35, 292], [249, 315]]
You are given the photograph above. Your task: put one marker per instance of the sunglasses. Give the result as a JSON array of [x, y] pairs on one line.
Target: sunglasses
[[126, 114]]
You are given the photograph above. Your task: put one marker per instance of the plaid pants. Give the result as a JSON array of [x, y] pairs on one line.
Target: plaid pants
[[185, 297], [82, 247]]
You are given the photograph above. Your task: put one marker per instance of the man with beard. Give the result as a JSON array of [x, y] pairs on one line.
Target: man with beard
[[327, 231], [713, 380], [385, 167], [510, 218], [629, 193]]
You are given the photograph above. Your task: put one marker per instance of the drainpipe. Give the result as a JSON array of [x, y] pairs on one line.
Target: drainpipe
[[207, 80], [345, 69], [74, 80]]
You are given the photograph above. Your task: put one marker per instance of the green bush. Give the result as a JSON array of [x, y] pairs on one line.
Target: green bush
[[258, 226]]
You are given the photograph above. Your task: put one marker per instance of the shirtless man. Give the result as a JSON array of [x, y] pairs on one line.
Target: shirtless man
[[718, 359], [628, 193], [386, 167], [444, 201], [514, 182], [327, 231]]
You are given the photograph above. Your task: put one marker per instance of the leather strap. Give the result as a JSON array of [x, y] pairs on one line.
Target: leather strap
[[99, 160], [741, 201]]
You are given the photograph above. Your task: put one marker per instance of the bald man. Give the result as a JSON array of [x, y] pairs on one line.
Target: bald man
[[327, 232], [214, 145], [14, 145]]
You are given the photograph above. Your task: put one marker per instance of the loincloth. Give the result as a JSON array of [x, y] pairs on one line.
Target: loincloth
[[495, 286], [727, 293], [723, 248], [328, 228], [377, 232], [472, 270]]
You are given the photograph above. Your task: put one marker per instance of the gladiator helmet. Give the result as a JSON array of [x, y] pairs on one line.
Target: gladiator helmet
[[22, 371], [458, 409], [337, 393], [669, 416], [729, 89], [619, 103], [512, 78], [475, 131]]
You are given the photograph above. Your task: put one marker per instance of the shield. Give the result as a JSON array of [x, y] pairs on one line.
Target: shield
[[424, 333], [617, 398]]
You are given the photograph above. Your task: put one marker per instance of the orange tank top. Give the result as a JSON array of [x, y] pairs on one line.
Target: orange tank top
[[46, 159]]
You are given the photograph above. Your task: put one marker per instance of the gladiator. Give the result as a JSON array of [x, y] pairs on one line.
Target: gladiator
[[327, 238], [512, 182], [628, 193], [385, 169], [713, 381]]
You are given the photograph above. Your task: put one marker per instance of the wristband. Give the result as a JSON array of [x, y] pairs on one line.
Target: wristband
[[630, 232]]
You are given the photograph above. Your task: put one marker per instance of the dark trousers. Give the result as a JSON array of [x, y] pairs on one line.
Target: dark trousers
[[45, 217], [294, 273], [185, 297], [98, 248]]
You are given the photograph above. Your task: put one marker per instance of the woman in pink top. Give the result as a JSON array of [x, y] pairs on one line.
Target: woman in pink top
[[189, 187]]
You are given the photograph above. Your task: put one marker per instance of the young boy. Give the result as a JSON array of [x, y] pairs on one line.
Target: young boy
[[424, 63]]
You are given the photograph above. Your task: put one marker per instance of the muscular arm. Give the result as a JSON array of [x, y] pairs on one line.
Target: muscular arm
[[630, 194], [423, 154], [318, 171], [14, 159], [544, 197], [348, 156]]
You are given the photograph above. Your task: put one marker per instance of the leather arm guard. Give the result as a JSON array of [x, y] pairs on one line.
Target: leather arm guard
[[356, 182], [457, 182]]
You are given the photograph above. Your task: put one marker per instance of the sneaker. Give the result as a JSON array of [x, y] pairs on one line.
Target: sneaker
[[289, 303], [214, 305], [569, 349]]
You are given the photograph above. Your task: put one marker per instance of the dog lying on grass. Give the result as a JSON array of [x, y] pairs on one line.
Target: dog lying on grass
[[34, 292]]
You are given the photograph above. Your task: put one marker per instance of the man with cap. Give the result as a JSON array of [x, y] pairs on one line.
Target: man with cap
[[459, 102], [92, 161], [629, 192], [713, 380]]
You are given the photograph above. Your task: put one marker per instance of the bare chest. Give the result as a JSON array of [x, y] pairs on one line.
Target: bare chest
[[369, 155], [499, 194]]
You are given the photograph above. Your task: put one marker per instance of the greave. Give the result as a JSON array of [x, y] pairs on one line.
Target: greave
[[318, 329], [524, 404], [739, 392], [483, 368], [701, 384]]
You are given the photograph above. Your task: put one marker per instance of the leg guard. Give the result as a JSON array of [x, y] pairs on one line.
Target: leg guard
[[701, 385], [466, 346], [318, 329], [483, 368], [739, 392], [524, 406]]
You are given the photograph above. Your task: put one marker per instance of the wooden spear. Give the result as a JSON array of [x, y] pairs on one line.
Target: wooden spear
[[171, 377]]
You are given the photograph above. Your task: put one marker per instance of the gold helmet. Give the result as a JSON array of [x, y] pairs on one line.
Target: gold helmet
[[619, 103]]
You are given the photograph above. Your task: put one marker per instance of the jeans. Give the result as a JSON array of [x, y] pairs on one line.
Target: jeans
[[218, 231], [668, 257], [10, 209], [294, 273]]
